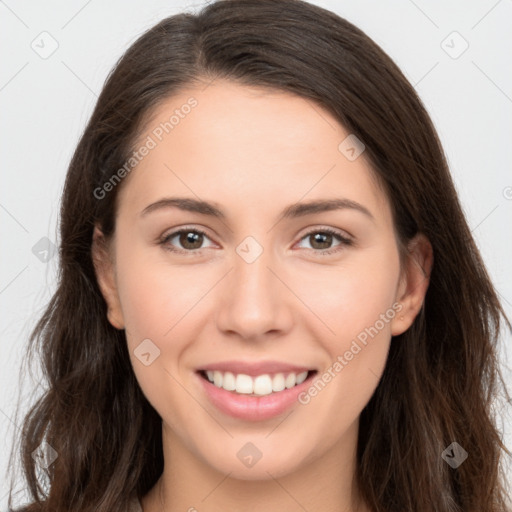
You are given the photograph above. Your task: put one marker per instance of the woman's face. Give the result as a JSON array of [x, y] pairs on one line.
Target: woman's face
[[258, 287]]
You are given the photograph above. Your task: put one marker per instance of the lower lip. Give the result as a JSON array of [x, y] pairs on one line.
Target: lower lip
[[253, 408]]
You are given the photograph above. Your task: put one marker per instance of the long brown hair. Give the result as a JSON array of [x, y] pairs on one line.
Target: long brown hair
[[442, 375]]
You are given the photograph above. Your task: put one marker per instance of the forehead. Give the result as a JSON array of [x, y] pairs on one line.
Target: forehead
[[247, 143]]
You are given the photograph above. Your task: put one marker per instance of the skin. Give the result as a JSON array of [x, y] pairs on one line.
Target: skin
[[254, 152]]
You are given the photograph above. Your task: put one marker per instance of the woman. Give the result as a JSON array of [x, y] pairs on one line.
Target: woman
[[269, 296]]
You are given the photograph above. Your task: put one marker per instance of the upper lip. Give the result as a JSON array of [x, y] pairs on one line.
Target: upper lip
[[255, 368]]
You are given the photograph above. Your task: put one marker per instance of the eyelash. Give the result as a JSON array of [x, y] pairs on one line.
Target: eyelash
[[344, 241]]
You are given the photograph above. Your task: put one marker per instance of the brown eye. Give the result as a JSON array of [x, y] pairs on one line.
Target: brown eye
[[190, 239], [321, 240], [185, 240]]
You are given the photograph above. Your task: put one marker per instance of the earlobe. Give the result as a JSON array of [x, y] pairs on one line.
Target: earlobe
[[414, 283], [104, 269]]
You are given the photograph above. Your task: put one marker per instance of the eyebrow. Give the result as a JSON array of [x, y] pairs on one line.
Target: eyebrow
[[292, 211]]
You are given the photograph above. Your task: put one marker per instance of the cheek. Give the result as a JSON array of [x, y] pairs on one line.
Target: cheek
[[365, 298], [356, 302], [155, 295], [155, 299], [351, 296]]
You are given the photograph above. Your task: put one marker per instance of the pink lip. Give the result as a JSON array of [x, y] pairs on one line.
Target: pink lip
[[255, 368], [249, 407]]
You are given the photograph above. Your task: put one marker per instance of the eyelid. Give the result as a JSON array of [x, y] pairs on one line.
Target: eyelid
[[327, 229]]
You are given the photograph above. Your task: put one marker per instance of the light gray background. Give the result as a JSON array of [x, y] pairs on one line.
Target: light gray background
[[45, 104]]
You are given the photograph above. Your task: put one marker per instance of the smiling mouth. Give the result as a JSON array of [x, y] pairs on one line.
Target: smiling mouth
[[261, 385]]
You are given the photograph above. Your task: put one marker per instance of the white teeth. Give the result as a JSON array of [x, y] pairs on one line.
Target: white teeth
[[243, 384], [301, 377], [290, 381], [217, 379], [260, 385], [278, 382], [229, 382]]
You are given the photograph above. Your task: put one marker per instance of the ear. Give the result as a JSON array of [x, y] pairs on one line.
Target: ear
[[413, 283], [104, 267]]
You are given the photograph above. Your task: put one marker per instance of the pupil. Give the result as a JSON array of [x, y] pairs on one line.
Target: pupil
[[322, 238], [191, 238]]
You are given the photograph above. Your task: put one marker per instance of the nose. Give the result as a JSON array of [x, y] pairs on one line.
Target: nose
[[254, 301]]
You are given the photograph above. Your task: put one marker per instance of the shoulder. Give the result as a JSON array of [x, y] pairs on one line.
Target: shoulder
[[135, 505], [23, 508], [32, 507]]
